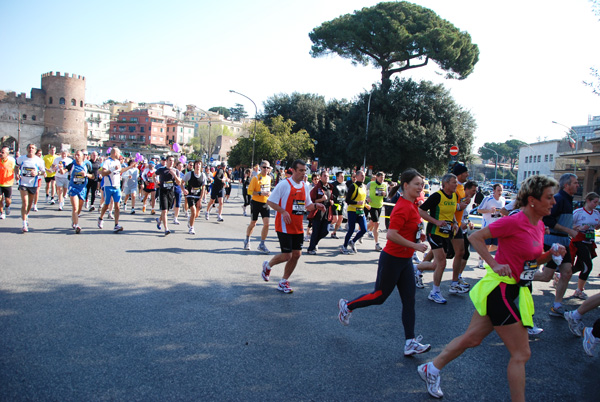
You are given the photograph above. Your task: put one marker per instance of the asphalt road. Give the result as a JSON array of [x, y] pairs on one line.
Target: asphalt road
[[138, 316]]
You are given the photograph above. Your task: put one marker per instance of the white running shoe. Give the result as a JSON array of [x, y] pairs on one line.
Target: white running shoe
[[266, 271], [284, 286], [352, 247], [344, 314], [458, 289], [414, 347], [175, 221], [534, 330], [206, 216], [191, 231], [100, 223], [590, 342], [580, 294], [246, 244], [344, 250], [576, 326], [2, 215], [263, 249], [118, 228], [432, 381], [419, 281], [35, 208], [378, 247], [436, 297]]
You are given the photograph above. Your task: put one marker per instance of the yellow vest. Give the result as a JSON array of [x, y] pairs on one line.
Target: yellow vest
[[358, 194]]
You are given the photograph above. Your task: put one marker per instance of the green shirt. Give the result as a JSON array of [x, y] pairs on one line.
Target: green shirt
[[376, 193]]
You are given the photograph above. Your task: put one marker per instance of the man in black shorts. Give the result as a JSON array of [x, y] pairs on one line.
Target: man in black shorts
[[260, 190], [218, 192], [167, 177], [92, 184], [338, 195]]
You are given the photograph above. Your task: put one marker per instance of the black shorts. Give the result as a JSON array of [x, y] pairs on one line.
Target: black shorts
[[335, 211], [375, 213], [437, 242], [501, 306], [214, 194], [491, 242], [289, 242], [149, 190], [191, 201], [166, 199], [228, 190], [566, 258], [6, 191], [259, 208], [30, 190], [49, 179]]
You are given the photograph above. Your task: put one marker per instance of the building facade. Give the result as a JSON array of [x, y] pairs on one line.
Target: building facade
[[138, 128], [97, 118]]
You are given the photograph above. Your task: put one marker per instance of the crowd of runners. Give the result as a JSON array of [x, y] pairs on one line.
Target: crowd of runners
[[537, 237]]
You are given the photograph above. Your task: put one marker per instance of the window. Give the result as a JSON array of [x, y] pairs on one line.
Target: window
[[142, 138], [24, 117], [115, 129], [81, 105], [538, 172], [551, 157], [50, 100], [33, 117], [131, 129], [161, 130], [526, 158], [133, 137], [61, 101], [122, 129], [142, 129], [73, 102], [545, 158], [121, 137]]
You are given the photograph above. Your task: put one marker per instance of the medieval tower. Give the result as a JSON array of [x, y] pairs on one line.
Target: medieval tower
[[64, 116]]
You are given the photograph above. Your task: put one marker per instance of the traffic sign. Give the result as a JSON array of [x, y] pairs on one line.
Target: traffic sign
[[454, 150], [212, 159]]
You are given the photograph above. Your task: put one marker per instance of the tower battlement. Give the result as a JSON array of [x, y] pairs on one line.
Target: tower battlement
[[64, 75]]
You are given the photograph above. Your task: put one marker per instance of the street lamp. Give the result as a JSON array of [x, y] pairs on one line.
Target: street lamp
[[572, 139], [496, 167], [255, 118], [367, 129]]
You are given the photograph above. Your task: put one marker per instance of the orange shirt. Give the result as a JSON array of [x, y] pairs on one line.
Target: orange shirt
[[7, 172]]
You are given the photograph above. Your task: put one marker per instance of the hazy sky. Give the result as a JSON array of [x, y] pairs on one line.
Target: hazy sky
[[534, 55]]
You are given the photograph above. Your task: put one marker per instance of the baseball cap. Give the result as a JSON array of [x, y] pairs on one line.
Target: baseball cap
[[459, 168]]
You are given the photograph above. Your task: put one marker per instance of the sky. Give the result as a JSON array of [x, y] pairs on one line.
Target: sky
[[534, 55]]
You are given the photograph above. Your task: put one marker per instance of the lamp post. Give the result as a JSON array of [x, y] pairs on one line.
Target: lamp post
[[255, 118], [367, 129], [573, 139], [496, 167]]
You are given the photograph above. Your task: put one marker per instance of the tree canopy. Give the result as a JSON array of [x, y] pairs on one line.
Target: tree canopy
[[397, 36], [238, 112], [507, 151], [222, 110]]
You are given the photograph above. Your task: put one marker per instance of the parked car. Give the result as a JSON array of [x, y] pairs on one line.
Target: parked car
[[426, 188]]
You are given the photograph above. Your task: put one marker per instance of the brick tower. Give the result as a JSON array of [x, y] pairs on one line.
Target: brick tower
[[64, 117]]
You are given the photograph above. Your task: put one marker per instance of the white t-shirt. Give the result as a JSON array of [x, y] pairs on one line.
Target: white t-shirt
[[282, 191], [582, 217], [114, 178], [61, 162], [130, 178], [29, 169], [488, 203]]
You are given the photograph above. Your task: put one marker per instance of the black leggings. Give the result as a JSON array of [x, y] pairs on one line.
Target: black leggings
[[92, 186], [596, 329], [393, 272], [584, 260]]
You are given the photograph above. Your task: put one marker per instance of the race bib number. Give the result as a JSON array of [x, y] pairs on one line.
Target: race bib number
[[379, 191], [265, 187], [529, 270], [590, 235], [447, 228], [79, 178], [298, 207], [29, 171], [360, 211], [168, 184], [195, 190]]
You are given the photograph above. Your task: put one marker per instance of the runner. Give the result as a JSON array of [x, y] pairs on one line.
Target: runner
[[490, 211], [439, 211], [245, 182], [178, 193], [228, 184], [395, 264], [62, 179], [30, 167], [591, 335], [149, 187], [470, 189], [217, 192], [167, 177], [356, 200], [585, 221], [7, 179], [111, 171], [260, 190], [80, 170], [50, 180], [290, 199], [376, 191], [194, 190], [92, 184], [338, 194], [321, 193], [130, 185], [519, 254]]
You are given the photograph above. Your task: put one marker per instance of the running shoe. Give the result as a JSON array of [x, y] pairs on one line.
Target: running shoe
[[557, 312], [207, 215], [187, 213], [311, 252], [118, 228], [167, 232], [92, 208], [284, 286], [132, 211], [125, 207], [158, 226], [100, 223], [245, 214], [458, 289], [77, 229], [464, 283], [246, 244], [330, 227], [47, 198], [344, 314], [480, 264], [580, 294], [61, 205], [2, 215], [152, 212], [35, 208], [263, 249], [307, 238], [415, 258], [589, 342], [370, 234], [576, 326], [143, 209], [7, 211], [344, 250], [436, 297], [192, 231], [535, 330], [414, 347], [334, 236], [25, 228], [378, 247], [419, 281], [352, 247], [266, 271], [52, 202], [175, 221], [220, 218], [110, 215], [432, 381]]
